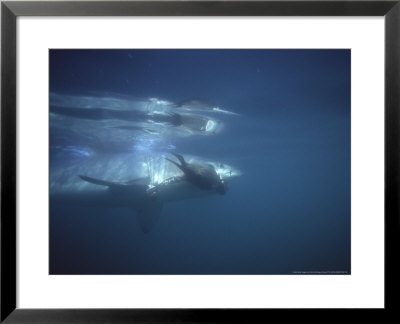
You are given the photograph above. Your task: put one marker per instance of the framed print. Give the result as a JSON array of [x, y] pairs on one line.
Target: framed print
[[198, 161]]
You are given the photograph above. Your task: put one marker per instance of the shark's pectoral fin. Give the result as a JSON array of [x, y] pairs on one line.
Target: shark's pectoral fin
[[144, 180], [149, 214], [97, 181]]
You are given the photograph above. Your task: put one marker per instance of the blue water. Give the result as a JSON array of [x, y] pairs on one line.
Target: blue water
[[288, 212]]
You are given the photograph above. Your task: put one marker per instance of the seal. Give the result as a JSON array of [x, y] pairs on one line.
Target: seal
[[202, 176]]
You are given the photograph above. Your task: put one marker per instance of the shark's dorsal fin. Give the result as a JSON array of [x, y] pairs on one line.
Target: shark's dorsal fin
[[149, 214], [111, 184]]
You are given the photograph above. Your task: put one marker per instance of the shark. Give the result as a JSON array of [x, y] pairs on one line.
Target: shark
[[160, 181]]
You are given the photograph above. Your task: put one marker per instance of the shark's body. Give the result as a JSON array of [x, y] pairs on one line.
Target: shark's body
[[144, 196]]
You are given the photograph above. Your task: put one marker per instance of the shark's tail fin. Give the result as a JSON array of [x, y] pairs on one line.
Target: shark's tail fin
[[149, 214]]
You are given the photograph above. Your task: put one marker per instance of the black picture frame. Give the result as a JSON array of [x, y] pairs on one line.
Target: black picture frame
[[10, 10]]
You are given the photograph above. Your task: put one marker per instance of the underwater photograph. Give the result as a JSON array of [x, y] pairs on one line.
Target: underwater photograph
[[200, 162]]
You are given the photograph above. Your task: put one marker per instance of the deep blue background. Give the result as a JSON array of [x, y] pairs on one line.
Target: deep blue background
[[290, 211]]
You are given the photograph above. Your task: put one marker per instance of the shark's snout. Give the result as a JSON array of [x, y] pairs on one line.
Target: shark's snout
[[228, 173]]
